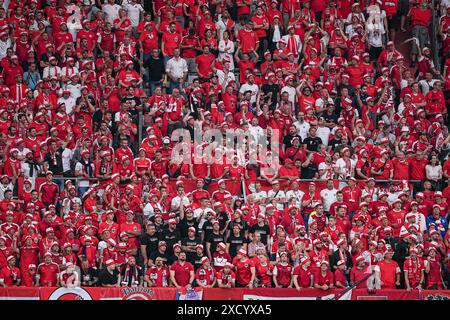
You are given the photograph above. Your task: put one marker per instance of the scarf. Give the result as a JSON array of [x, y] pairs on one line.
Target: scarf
[[87, 166], [130, 276]]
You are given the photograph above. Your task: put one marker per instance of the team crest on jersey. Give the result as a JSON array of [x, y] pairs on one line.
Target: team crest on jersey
[[137, 294], [175, 39]]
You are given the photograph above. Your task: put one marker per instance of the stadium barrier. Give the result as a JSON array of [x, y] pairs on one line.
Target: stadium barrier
[[236, 294]]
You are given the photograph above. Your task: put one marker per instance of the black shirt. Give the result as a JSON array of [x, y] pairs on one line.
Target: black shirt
[[264, 231], [330, 117], [207, 229], [196, 261], [312, 143], [151, 241], [184, 225], [170, 237], [90, 275], [106, 278], [335, 142], [215, 239], [242, 223], [274, 88], [236, 242], [156, 254], [55, 163], [288, 138], [190, 242], [157, 69]]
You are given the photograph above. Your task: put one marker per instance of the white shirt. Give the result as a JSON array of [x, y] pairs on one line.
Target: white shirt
[[328, 197], [433, 172], [295, 194], [250, 87], [176, 202], [323, 133], [3, 47], [75, 91], [292, 93], [3, 188], [111, 12], [134, 11], [221, 76], [271, 194], [80, 167], [69, 102], [343, 168], [262, 195], [51, 71], [302, 129], [176, 67], [226, 49], [67, 156], [376, 32], [426, 86]]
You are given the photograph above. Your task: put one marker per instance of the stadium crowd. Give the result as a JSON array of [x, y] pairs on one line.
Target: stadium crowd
[[359, 185]]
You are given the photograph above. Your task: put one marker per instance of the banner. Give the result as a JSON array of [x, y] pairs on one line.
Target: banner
[[85, 293], [146, 293], [139, 293], [192, 294], [435, 295], [223, 294], [108, 293], [386, 294], [288, 294], [19, 293]]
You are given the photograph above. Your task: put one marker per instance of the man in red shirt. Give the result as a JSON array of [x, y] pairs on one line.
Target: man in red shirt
[[245, 269], [170, 41], [248, 40], [204, 63], [382, 169], [182, 272], [10, 275], [387, 272], [401, 167], [48, 191], [133, 229], [48, 272], [158, 274], [282, 272]]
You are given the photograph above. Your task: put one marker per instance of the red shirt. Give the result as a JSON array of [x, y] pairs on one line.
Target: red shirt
[[321, 279], [182, 272], [304, 276], [204, 62], [48, 274], [49, 192], [243, 273], [401, 169], [149, 41], [171, 41], [417, 168], [8, 274], [226, 277], [388, 272], [283, 274], [205, 276], [248, 40], [160, 276]]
